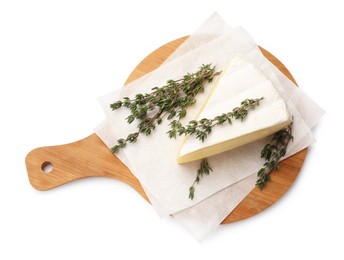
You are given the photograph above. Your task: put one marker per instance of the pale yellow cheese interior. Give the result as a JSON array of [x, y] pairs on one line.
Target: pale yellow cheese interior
[[241, 80]]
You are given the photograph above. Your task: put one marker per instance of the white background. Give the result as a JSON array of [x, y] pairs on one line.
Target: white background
[[57, 57]]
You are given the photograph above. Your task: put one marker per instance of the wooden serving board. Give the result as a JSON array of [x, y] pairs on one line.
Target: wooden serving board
[[90, 157]]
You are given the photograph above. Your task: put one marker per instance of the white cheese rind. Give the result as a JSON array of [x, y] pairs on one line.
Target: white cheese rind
[[239, 81]]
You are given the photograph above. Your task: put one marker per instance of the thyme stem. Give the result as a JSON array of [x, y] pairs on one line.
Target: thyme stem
[[171, 100], [204, 169], [202, 128], [272, 153]]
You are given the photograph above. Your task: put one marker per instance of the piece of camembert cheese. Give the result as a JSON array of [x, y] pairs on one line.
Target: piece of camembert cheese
[[239, 81]]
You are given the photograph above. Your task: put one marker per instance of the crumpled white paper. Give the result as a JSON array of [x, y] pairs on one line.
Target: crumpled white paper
[[166, 184]]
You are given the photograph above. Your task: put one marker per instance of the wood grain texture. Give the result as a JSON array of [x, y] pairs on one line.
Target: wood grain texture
[[90, 157]]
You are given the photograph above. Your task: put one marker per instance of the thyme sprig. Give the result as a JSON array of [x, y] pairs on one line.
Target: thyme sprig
[[170, 100], [202, 128], [204, 169], [272, 153]]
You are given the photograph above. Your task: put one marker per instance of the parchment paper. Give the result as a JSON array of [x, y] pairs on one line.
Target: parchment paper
[[167, 189]]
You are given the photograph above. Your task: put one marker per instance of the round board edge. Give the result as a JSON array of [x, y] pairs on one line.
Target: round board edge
[[257, 200]]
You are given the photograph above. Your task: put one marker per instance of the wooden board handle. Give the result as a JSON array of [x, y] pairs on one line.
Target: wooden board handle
[[88, 157]]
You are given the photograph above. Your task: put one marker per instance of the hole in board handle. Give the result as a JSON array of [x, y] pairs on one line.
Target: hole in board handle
[[47, 167]]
